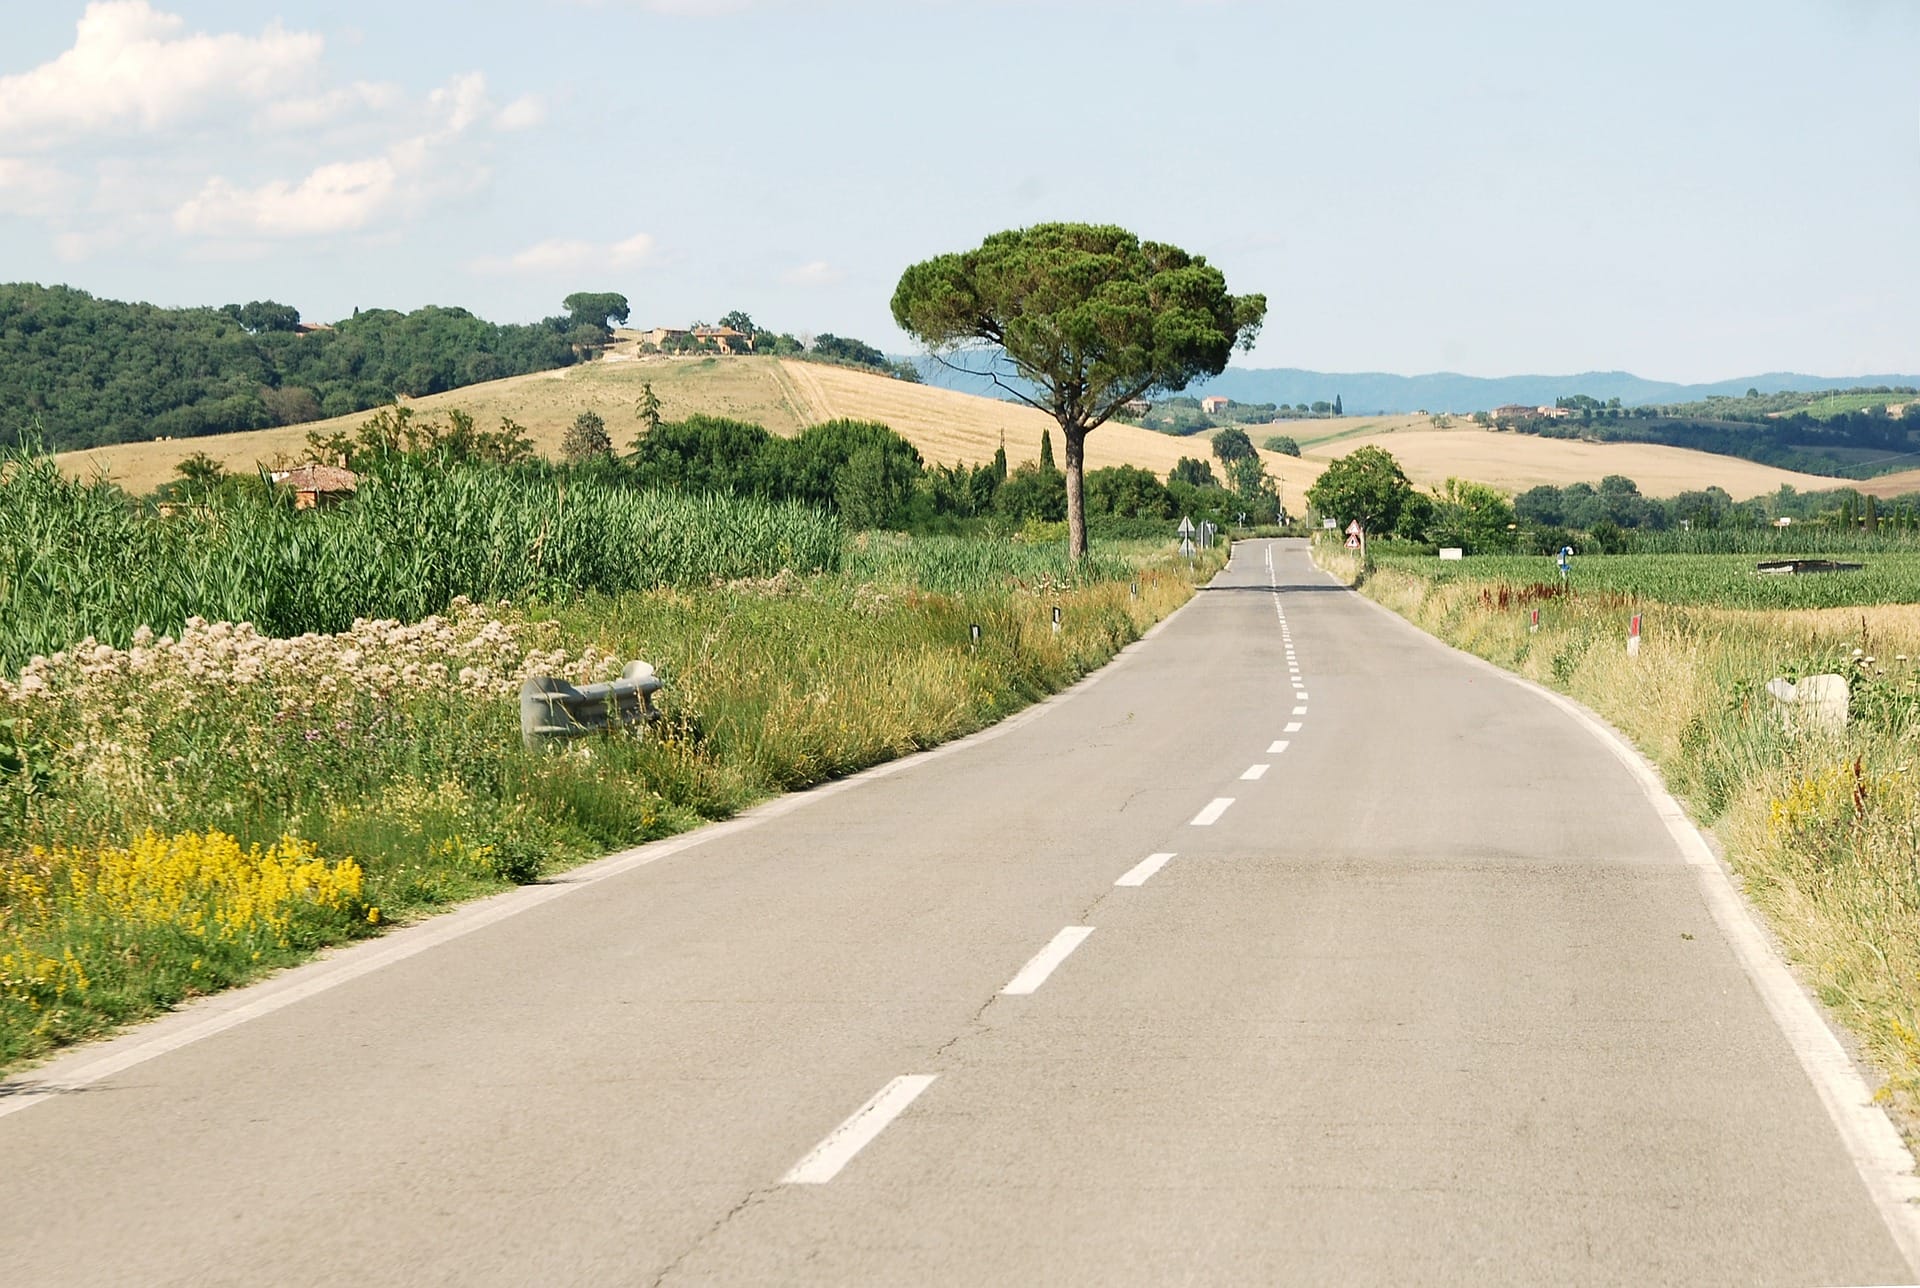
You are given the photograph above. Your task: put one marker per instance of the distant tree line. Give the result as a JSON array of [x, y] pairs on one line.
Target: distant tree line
[[1847, 444], [875, 479], [861, 470], [1369, 486], [77, 371]]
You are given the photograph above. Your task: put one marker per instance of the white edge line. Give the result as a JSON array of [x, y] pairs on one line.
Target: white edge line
[[1208, 816], [88, 1064], [1137, 874], [1279, 745], [1871, 1141], [1047, 960], [825, 1160]]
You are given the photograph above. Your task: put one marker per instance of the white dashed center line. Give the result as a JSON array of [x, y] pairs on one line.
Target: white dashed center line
[[1293, 726], [1211, 814], [855, 1134], [1277, 747], [1137, 875], [1035, 972], [1254, 772], [1299, 711]]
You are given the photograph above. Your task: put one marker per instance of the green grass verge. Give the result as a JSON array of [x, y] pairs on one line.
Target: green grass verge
[[134, 783]]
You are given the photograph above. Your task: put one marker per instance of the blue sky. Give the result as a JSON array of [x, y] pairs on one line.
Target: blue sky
[[1689, 191]]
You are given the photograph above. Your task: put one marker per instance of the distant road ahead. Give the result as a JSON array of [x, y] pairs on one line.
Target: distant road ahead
[[1294, 949]]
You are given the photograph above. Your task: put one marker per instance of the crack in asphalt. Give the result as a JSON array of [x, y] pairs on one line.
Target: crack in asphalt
[[753, 1196]]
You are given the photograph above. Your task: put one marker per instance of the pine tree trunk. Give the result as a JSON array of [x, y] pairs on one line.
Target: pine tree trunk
[[1076, 503]]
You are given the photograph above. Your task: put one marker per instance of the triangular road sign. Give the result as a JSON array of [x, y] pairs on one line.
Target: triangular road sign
[[1186, 527], [1353, 529]]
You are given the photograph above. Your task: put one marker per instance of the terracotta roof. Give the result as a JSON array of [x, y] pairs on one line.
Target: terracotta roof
[[318, 478]]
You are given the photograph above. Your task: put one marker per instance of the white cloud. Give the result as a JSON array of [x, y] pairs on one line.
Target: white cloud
[[462, 102], [817, 273], [31, 188], [523, 113], [131, 67], [568, 254], [335, 198], [340, 196]]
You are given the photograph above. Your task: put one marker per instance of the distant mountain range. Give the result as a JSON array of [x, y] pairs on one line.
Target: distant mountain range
[[1371, 392]]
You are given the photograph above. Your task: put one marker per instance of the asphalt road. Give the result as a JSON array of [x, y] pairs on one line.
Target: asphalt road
[[1434, 998]]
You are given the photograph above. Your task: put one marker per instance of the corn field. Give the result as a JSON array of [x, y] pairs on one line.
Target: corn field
[[81, 560]]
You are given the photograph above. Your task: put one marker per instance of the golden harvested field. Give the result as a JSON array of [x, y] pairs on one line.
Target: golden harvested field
[[1516, 462], [545, 403], [1885, 485], [785, 396], [952, 428]]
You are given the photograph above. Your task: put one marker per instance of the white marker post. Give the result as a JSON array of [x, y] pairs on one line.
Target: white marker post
[[1633, 637]]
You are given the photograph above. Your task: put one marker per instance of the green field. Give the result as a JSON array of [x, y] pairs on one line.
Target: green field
[[1841, 404], [1720, 580]]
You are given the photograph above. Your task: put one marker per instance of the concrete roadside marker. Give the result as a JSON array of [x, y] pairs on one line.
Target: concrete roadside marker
[[826, 1159], [1044, 962]]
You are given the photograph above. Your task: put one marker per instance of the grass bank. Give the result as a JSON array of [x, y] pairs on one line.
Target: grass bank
[[1823, 829], [185, 811]]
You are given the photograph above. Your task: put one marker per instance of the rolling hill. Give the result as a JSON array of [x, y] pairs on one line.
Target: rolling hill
[[948, 426]]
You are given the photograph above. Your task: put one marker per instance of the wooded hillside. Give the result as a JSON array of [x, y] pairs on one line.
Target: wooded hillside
[[77, 371]]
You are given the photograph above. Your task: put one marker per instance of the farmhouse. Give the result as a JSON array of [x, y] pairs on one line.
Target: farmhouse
[[724, 336], [1514, 411], [1214, 404], [1553, 413], [316, 486], [728, 339]]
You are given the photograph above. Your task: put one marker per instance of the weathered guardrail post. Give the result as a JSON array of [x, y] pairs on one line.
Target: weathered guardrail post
[[552, 709]]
